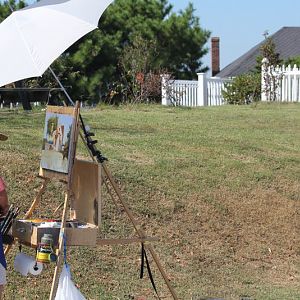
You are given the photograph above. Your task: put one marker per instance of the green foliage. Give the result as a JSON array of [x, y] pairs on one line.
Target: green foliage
[[292, 61], [268, 50], [179, 38], [243, 89], [52, 124], [183, 41], [64, 70], [140, 78], [5, 10]]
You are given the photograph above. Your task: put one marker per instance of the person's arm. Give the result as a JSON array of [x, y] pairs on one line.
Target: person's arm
[[3, 203], [3, 199]]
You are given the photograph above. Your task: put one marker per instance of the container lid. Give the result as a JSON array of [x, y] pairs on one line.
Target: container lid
[[86, 187]]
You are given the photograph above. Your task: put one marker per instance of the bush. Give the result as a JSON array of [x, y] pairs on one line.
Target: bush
[[243, 89]]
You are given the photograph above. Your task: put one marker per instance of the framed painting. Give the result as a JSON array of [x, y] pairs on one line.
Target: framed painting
[[59, 139]]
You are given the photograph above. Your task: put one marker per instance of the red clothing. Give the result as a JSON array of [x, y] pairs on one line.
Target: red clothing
[[2, 185]]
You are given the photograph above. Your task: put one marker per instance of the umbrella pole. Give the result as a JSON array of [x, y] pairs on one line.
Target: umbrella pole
[[61, 86]]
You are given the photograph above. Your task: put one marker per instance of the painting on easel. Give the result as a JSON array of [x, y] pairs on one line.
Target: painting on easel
[[57, 140]]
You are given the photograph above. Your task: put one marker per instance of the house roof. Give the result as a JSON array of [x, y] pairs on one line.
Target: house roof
[[287, 42]]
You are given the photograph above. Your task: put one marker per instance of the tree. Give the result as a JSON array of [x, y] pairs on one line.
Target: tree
[[269, 59], [268, 51], [52, 125], [5, 8], [179, 38], [183, 44]]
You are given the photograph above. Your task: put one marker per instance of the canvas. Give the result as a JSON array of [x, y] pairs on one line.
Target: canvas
[[57, 140]]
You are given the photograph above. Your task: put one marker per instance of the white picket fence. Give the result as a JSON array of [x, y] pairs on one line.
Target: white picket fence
[[191, 93], [11, 105], [284, 81], [215, 86], [280, 83], [16, 105]]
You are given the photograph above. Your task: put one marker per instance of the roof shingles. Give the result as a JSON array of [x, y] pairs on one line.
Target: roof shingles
[[287, 42]]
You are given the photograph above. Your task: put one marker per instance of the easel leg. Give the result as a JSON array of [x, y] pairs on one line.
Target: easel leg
[[118, 192], [37, 199], [161, 270], [60, 249], [139, 231]]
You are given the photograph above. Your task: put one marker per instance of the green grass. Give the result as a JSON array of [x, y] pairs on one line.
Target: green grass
[[219, 186]]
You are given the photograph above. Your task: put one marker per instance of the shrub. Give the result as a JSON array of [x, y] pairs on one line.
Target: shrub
[[243, 89]]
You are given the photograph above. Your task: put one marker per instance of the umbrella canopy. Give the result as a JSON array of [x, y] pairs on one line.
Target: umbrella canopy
[[33, 37]]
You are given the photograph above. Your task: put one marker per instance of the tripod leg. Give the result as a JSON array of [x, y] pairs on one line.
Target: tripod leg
[[139, 231], [161, 270], [60, 249], [32, 208], [118, 192], [36, 199]]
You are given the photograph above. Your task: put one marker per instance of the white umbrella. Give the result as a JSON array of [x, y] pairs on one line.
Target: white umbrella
[[33, 37]]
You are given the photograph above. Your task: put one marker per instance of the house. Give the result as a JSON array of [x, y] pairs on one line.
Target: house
[[287, 42]]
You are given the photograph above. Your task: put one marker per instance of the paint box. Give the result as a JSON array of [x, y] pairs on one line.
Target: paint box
[[83, 226], [30, 234]]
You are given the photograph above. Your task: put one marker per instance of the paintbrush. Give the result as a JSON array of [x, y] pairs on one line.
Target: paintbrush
[[5, 219], [11, 215], [10, 219]]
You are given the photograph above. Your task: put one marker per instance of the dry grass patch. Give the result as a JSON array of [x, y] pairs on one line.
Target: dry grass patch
[[219, 187]]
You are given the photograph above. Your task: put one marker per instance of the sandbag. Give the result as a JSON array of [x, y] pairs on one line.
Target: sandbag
[[66, 289]]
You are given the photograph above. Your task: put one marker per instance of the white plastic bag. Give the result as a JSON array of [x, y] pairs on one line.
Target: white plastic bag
[[66, 289]]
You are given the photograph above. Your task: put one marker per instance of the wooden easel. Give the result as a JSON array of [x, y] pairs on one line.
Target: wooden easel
[[68, 193], [111, 185], [67, 179]]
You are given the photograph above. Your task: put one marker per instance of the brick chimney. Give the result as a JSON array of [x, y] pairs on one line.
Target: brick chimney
[[215, 55]]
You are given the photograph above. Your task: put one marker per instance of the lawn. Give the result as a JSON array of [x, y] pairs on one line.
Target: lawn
[[219, 186]]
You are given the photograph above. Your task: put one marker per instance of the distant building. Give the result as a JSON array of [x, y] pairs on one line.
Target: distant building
[[287, 42]]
